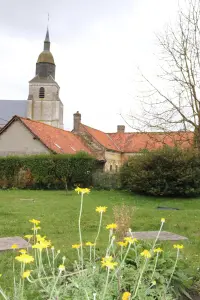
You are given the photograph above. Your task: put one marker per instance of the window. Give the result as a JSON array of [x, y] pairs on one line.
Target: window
[[116, 168], [110, 168], [41, 92]]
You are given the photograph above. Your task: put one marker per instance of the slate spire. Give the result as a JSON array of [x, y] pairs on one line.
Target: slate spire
[[47, 41]]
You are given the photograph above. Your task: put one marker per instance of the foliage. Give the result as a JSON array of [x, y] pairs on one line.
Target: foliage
[[123, 216], [164, 172], [46, 171], [132, 271], [106, 180]]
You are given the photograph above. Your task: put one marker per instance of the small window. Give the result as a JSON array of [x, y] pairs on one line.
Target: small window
[[110, 168], [41, 93]]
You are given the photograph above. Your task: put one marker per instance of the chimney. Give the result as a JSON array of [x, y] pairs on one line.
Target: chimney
[[77, 121], [121, 128]]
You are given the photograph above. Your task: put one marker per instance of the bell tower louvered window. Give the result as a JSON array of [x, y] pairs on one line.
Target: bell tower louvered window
[[41, 92]]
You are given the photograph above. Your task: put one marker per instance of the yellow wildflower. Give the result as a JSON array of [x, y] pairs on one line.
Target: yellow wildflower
[[28, 236], [36, 228], [126, 296], [146, 254], [111, 226], [101, 209], [177, 246], [107, 262], [163, 220], [25, 258], [23, 251], [42, 245], [14, 246], [130, 240], [76, 246], [82, 191], [89, 244], [26, 274], [158, 250], [34, 221], [122, 244], [61, 268], [153, 283], [40, 238]]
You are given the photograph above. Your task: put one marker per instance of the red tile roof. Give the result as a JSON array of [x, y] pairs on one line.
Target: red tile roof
[[101, 137], [57, 140], [134, 142]]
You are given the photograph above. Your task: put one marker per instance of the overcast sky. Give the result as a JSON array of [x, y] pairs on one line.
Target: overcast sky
[[97, 46]]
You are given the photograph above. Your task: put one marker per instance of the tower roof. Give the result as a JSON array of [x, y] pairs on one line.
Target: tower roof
[[46, 56]]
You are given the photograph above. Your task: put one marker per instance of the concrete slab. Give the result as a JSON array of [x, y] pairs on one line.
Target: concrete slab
[[151, 235], [7, 242]]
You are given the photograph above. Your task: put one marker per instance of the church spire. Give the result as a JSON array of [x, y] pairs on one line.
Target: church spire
[[47, 41]]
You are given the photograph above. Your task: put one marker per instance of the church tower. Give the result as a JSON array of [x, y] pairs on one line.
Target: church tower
[[44, 103]]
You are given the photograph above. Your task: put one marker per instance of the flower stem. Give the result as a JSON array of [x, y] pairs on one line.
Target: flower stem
[[79, 227], [100, 221], [56, 281], [106, 284], [157, 237], [155, 266], [177, 256], [122, 262], [140, 278]]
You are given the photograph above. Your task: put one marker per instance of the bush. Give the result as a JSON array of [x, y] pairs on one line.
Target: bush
[[46, 171], [106, 180], [164, 172]]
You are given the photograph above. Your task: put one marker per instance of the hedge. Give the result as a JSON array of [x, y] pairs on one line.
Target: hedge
[[164, 172], [46, 171]]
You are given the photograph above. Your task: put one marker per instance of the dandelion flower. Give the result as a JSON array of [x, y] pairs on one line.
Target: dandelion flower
[[82, 191], [25, 258], [163, 220], [130, 240], [122, 244], [108, 262], [111, 226], [89, 244], [23, 251], [153, 283], [26, 274], [61, 268], [126, 296], [101, 209], [76, 246], [158, 250], [34, 221], [146, 254], [14, 246], [177, 246]]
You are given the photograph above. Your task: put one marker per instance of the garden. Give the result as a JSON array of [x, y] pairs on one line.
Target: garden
[[82, 237], [58, 213]]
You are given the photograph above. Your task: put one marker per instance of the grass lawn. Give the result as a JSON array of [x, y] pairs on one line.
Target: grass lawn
[[59, 212]]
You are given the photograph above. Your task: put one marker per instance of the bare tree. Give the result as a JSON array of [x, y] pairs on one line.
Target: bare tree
[[175, 106]]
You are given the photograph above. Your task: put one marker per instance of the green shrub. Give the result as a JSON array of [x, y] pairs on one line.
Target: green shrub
[[164, 172], [46, 171], [106, 180]]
